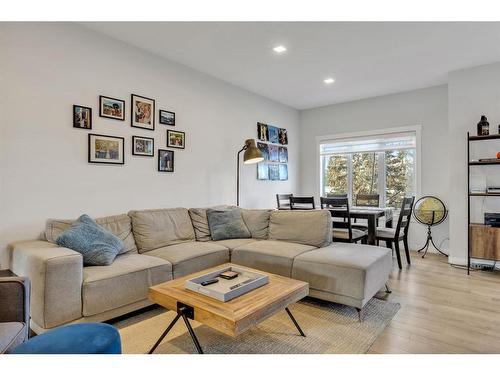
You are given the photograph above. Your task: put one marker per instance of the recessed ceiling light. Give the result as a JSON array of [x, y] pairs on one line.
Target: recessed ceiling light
[[279, 49], [328, 80]]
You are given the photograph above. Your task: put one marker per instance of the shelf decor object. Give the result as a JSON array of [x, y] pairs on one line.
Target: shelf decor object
[[483, 126], [483, 241], [430, 211], [252, 155]]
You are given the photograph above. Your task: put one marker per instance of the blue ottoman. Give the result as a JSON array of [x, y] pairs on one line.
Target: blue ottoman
[[84, 338]]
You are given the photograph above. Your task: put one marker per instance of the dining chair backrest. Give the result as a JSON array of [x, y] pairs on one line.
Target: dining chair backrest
[[405, 215], [338, 204], [283, 201], [333, 195], [302, 203], [367, 200]]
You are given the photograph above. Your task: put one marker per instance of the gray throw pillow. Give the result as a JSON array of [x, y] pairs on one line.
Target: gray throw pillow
[[98, 246], [226, 224]]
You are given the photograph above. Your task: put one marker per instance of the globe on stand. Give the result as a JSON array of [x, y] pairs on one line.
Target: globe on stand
[[430, 211]]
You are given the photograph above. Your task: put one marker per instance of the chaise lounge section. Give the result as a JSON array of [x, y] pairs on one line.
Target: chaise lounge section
[[164, 244]]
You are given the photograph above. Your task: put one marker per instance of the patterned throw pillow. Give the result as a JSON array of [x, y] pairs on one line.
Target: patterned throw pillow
[[98, 246], [226, 224]]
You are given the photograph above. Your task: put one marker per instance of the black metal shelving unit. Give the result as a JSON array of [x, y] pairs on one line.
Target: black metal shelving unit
[[474, 138]]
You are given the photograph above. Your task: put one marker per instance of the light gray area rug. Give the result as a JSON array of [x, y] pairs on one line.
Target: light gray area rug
[[329, 327]]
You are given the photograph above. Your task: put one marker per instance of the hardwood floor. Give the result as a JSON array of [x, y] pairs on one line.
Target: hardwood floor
[[442, 310]]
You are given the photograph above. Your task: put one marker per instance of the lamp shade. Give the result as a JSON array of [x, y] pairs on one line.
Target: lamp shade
[[252, 154]]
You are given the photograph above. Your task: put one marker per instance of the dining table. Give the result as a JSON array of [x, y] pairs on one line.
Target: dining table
[[370, 214]]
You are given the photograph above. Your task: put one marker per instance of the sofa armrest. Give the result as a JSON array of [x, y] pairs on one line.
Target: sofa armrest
[[56, 280]]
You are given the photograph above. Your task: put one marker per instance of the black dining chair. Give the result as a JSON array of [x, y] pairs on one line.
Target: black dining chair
[[302, 203], [400, 233], [283, 201], [342, 231]]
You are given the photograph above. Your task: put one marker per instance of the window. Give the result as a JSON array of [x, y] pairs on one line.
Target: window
[[379, 164]]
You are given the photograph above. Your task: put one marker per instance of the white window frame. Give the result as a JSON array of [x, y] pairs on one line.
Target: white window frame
[[376, 132]]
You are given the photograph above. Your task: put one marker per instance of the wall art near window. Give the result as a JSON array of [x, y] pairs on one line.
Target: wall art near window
[[262, 171], [283, 172], [262, 134], [274, 172], [143, 112], [283, 155], [111, 108], [283, 136], [165, 161], [264, 149], [143, 146], [273, 153], [273, 134], [167, 118], [106, 149], [82, 117], [176, 139]]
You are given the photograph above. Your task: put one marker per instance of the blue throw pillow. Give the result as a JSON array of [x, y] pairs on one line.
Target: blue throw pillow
[[98, 246], [226, 224]]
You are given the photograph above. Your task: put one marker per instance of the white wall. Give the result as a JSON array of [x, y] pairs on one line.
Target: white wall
[[472, 93], [425, 107], [46, 68]]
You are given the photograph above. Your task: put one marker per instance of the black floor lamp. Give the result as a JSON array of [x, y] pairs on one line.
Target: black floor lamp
[[252, 155]]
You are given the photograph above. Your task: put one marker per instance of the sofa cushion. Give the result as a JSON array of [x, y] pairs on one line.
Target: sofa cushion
[[124, 282], [312, 227], [119, 225], [226, 224], [98, 246], [353, 271], [235, 242], [191, 257], [257, 222], [157, 228], [11, 335], [200, 222], [271, 256]]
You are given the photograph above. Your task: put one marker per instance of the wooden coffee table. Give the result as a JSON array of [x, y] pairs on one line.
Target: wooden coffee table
[[233, 317]]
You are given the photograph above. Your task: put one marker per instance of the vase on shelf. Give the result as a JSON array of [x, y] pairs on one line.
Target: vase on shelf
[[483, 126]]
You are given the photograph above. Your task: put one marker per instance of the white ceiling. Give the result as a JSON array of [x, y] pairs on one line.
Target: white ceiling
[[365, 58]]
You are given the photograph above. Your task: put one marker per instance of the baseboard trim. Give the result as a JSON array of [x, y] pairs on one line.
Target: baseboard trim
[[459, 261]]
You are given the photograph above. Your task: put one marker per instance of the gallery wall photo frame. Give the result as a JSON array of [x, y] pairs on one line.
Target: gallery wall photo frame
[[82, 117], [165, 160], [176, 139], [142, 112], [111, 108], [106, 149], [262, 132], [167, 117], [143, 146]]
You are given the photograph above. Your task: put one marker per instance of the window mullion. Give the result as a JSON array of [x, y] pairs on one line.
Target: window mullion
[[349, 178], [381, 177]]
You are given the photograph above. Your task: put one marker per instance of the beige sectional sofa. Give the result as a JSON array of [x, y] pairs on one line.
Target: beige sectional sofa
[[168, 243]]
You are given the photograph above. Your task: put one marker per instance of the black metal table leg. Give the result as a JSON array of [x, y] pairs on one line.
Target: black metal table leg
[[184, 313], [170, 326], [193, 336], [295, 322]]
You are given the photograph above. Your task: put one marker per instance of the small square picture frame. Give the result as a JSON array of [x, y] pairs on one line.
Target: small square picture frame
[[111, 108], [165, 161], [166, 117], [82, 117], [143, 146], [176, 139]]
